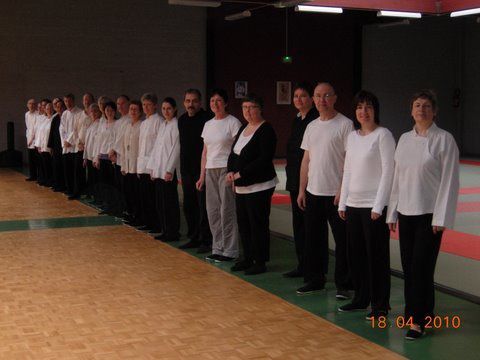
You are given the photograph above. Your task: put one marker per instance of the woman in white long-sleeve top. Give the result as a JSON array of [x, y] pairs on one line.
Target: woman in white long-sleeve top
[[164, 162], [91, 135], [128, 161], [366, 185], [424, 199], [45, 152], [103, 144]]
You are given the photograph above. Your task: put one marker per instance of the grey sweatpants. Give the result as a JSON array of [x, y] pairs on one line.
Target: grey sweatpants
[[221, 213]]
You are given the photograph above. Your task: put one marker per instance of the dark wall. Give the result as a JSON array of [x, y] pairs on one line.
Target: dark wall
[[323, 48], [106, 47]]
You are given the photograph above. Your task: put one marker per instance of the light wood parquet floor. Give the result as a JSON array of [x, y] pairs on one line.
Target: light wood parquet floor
[[114, 293], [21, 200]]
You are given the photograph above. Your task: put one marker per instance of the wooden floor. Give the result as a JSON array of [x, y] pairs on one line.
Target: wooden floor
[[111, 292]]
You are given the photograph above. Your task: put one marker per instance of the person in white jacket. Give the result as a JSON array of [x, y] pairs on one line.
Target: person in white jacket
[[43, 149], [366, 184], [163, 163], [91, 135], [30, 119], [424, 200], [129, 151]]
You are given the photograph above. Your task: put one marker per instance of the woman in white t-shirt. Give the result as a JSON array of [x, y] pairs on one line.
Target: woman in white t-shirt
[[218, 136], [366, 184], [424, 199]]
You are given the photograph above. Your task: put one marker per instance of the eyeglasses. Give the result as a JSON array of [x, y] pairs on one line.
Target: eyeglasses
[[250, 107], [324, 96]]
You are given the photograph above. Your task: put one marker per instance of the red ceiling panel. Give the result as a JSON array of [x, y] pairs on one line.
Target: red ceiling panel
[[423, 6]]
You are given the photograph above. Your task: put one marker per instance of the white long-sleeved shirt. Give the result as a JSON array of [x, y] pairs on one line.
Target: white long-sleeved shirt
[[368, 171], [129, 148], [82, 122], [91, 135], [43, 134], [30, 119], [426, 179], [39, 120], [325, 141], [120, 127], [165, 155], [147, 137], [104, 140], [67, 129]]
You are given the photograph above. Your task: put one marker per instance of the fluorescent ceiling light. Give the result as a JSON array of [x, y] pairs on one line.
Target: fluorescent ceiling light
[[404, 14], [289, 3], [465, 12], [238, 16], [195, 3], [320, 9]]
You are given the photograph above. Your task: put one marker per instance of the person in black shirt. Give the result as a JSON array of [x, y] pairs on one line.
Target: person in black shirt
[[55, 143], [303, 102], [190, 127]]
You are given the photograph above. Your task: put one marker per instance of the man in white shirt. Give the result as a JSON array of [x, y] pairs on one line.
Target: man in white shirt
[[40, 118], [82, 121], [321, 173], [30, 118], [69, 137]]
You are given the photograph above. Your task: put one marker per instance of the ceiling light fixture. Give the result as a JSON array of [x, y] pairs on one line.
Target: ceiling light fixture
[[404, 14], [238, 16], [195, 3], [319, 9], [465, 12]]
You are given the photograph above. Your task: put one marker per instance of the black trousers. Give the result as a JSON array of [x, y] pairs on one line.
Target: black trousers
[[40, 169], [147, 202], [168, 207], [105, 185], [132, 191], [369, 257], [320, 211], [298, 224], [58, 173], [92, 181], [80, 176], [32, 166], [195, 210], [69, 171], [47, 172], [119, 200], [253, 217], [419, 248]]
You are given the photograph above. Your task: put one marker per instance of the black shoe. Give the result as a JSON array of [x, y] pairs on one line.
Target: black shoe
[[31, 179], [256, 269], [342, 294], [170, 239], [73, 197], [414, 334], [144, 228], [310, 288], [241, 265], [213, 257], [189, 245], [351, 307], [155, 231], [375, 314], [221, 258], [204, 248], [295, 273], [58, 189], [161, 236]]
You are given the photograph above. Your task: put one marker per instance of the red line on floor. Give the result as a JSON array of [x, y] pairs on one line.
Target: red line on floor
[[470, 190], [470, 162]]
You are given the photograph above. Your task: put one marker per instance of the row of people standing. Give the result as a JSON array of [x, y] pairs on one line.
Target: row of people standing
[[373, 185]]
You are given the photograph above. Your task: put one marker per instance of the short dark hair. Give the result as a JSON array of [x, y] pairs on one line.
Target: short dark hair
[[150, 97], [367, 97], [304, 85], [425, 94], [253, 98], [220, 92], [125, 97], [111, 104], [70, 96], [137, 103], [45, 100], [194, 91]]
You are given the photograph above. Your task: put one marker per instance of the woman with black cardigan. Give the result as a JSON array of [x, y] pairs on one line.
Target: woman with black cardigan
[[251, 172]]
